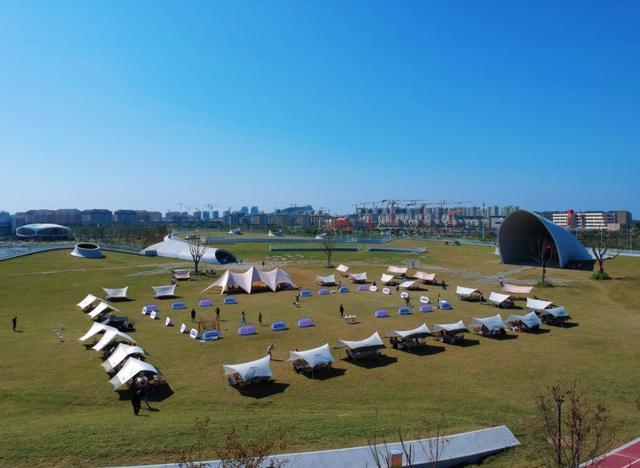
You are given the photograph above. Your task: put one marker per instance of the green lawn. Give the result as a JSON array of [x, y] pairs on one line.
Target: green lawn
[[57, 406]]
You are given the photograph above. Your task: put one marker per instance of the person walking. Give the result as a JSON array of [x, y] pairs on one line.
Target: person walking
[[341, 311], [218, 314], [501, 282], [270, 348], [260, 318], [135, 402], [144, 391], [193, 314], [243, 320], [14, 321]]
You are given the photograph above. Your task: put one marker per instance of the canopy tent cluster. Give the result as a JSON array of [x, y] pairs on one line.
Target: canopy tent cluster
[[468, 294], [274, 279], [117, 293], [249, 372]]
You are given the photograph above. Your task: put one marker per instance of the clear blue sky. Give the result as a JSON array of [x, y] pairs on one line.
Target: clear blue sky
[[147, 104]]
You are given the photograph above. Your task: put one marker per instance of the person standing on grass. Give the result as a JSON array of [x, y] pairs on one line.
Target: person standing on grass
[[135, 402], [501, 282], [243, 320], [193, 314], [341, 311], [14, 321], [218, 314], [260, 318], [144, 391]]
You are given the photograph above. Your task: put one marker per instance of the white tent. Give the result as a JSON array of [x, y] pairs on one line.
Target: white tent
[[398, 271], [531, 320], [101, 308], [120, 354], [182, 274], [407, 284], [342, 268], [120, 293], [467, 293], [96, 328], [326, 280], [358, 277], [111, 335], [373, 342], [499, 299], [421, 332], [386, 279], [246, 280], [512, 288], [538, 304], [449, 327], [87, 302], [129, 370], [275, 277], [555, 312], [313, 357], [164, 291], [425, 276], [250, 370], [491, 323]]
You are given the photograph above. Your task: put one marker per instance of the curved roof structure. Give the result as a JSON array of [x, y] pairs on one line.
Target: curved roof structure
[[249, 370], [87, 250], [314, 357], [373, 342], [44, 231], [176, 248], [521, 227]]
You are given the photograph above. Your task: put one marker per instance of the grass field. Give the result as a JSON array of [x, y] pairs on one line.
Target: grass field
[[58, 408]]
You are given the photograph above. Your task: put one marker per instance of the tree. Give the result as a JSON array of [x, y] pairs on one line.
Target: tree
[[600, 248], [328, 247], [543, 252], [197, 249], [578, 433]]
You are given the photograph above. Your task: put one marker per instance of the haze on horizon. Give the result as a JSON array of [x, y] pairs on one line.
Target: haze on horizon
[[150, 104]]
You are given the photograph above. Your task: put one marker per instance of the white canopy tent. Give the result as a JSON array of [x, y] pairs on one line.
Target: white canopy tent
[[456, 327], [250, 370], [129, 370], [120, 354], [164, 291], [275, 278], [530, 320], [87, 302], [538, 304], [421, 332], [467, 293], [373, 342], [326, 280], [245, 281], [499, 299], [342, 268], [425, 276], [111, 335], [513, 289], [101, 308], [386, 279], [493, 323], [407, 284], [182, 274], [313, 357], [558, 313], [358, 277], [397, 271], [96, 328], [120, 293]]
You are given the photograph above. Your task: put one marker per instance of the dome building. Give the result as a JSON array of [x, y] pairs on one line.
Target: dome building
[[43, 232]]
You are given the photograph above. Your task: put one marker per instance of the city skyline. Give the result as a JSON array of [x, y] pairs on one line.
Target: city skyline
[[329, 104]]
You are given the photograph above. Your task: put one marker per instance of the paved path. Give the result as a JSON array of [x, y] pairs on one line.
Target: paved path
[[628, 455]]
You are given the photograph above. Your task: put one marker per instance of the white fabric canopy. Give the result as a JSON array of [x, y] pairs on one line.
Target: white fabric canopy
[[557, 312], [407, 284], [530, 320], [358, 276], [342, 268], [129, 371], [512, 288], [420, 332], [397, 270], [102, 308], [498, 298], [450, 327], [120, 293], [275, 277], [111, 335], [538, 304], [182, 274], [249, 370], [465, 292], [492, 323], [246, 280], [164, 291], [374, 341], [120, 354], [425, 276], [96, 328], [329, 279], [87, 302], [386, 279], [314, 357]]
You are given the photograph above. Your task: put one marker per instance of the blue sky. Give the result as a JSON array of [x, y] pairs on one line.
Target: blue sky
[[148, 104]]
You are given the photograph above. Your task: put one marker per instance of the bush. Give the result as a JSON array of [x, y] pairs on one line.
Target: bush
[[600, 275], [544, 284]]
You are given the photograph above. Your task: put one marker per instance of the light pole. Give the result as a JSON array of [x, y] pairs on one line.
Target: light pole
[[559, 402]]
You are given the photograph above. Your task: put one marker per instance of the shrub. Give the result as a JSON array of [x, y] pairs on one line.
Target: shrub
[[598, 275]]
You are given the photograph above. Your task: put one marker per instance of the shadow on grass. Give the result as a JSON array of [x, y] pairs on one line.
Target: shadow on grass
[[157, 395], [121, 299], [325, 374], [538, 331], [565, 325], [505, 337], [263, 390], [425, 350], [466, 343], [373, 363]]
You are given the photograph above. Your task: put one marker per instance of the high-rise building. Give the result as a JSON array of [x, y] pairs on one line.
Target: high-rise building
[[254, 210], [5, 224], [215, 214], [125, 217], [96, 217]]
